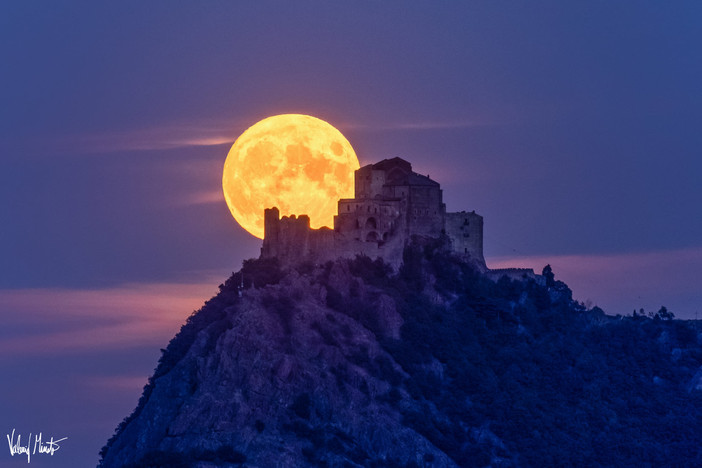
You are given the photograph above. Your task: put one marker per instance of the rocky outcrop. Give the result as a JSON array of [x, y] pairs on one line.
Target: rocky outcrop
[[354, 364], [281, 379]]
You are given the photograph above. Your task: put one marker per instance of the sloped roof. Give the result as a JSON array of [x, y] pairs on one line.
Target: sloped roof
[[419, 179], [387, 164], [399, 172]]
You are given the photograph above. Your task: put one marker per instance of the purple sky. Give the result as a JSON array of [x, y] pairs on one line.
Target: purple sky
[[572, 127]]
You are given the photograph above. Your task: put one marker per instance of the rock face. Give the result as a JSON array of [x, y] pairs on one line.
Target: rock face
[[278, 378], [349, 364]]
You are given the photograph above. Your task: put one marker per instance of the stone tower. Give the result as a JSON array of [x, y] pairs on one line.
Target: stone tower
[[391, 204]]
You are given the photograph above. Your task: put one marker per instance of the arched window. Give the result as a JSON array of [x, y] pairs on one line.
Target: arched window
[[371, 223], [372, 237]]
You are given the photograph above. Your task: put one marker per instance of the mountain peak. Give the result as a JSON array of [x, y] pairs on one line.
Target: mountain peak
[[353, 363]]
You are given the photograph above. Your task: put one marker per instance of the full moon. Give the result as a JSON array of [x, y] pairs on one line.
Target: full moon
[[297, 163]]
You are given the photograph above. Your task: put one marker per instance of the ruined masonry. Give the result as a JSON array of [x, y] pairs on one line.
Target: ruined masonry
[[392, 203]]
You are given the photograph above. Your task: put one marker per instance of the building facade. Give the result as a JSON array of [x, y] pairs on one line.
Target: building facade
[[391, 205]]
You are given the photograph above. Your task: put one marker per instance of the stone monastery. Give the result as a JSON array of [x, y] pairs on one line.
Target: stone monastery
[[392, 203]]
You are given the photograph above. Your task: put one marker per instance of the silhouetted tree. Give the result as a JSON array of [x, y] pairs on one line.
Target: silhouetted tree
[[665, 314], [550, 277]]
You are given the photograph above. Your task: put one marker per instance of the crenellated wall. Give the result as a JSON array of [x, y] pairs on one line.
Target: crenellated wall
[[291, 240]]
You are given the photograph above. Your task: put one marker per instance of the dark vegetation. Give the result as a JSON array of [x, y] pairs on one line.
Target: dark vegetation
[[529, 376], [558, 384], [159, 459]]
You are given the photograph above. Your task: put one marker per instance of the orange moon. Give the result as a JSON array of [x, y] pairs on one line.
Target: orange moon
[[297, 163]]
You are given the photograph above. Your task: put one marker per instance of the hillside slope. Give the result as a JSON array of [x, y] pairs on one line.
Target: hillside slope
[[348, 364]]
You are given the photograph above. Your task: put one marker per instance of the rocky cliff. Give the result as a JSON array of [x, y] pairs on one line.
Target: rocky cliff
[[349, 364]]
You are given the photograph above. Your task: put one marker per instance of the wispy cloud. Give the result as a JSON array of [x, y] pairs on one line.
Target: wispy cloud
[[199, 198], [214, 133], [155, 138], [621, 282], [39, 321], [420, 125]]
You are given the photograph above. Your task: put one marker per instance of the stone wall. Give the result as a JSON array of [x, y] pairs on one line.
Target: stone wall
[[369, 219], [516, 274], [465, 229], [425, 210], [292, 240], [368, 182], [391, 205]]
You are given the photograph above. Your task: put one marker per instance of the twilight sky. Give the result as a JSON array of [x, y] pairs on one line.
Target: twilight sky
[[572, 127]]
